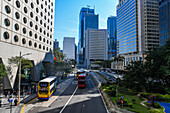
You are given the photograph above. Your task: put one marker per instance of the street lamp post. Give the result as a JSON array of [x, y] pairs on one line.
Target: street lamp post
[[20, 74]]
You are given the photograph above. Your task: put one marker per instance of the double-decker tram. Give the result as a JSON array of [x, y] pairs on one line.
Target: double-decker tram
[[82, 80], [46, 87]]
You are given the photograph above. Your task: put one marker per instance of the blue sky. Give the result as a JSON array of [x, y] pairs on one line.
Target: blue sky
[[67, 16]]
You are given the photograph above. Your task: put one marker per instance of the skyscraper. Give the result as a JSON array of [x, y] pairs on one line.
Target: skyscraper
[[137, 28], [87, 19], [164, 21], [56, 44], [69, 47], [112, 30], [26, 26], [96, 47]]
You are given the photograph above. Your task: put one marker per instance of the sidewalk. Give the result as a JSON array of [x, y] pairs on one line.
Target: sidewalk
[[6, 106]]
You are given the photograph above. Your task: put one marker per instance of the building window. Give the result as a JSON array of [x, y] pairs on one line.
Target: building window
[[44, 32], [23, 41], [48, 13], [45, 10], [51, 16], [40, 38], [32, 5], [37, 10], [25, 10], [45, 2], [24, 30], [51, 10], [41, 22], [47, 34], [30, 43], [31, 14], [50, 42], [7, 9], [47, 41], [50, 36], [30, 33], [41, 14], [18, 4], [16, 39], [47, 48], [26, 1], [31, 24], [36, 18], [17, 15], [51, 30], [51, 3], [7, 22], [37, 1], [6, 35], [39, 46], [41, 6], [16, 26], [36, 36], [25, 20], [44, 40], [44, 24], [35, 45], [48, 20], [48, 6], [36, 27], [40, 30], [43, 47]]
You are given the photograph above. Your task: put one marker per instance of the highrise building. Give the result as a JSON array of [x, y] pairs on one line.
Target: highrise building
[[56, 44], [69, 47], [137, 28], [112, 41], [164, 21], [26, 26], [96, 45], [87, 19]]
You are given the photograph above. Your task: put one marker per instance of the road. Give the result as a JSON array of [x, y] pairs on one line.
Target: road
[[75, 100]]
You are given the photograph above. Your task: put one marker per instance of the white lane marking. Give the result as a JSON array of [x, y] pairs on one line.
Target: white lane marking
[[69, 100]]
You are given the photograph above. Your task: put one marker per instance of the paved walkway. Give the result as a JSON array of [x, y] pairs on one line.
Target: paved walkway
[[6, 106]]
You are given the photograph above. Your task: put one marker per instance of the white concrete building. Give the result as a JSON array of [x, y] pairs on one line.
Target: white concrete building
[[96, 45], [26, 26], [69, 47]]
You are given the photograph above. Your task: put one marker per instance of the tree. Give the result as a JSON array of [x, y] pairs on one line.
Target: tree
[[3, 71], [25, 63]]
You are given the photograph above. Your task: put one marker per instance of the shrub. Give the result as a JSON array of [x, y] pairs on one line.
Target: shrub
[[130, 105], [154, 111], [157, 105], [133, 100]]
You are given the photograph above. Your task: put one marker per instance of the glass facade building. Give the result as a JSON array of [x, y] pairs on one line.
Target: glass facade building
[[164, 21], [87, 19], [137, 28], [126, 27], [112, 30]]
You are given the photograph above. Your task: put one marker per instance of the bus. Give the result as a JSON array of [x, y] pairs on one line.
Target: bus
[[82, 80], [46, 88], [79, 72]]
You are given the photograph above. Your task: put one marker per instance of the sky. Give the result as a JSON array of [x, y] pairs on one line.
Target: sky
[[66, 23]]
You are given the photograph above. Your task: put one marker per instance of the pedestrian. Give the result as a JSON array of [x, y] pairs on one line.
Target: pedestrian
[[0, 102], [15, 102]]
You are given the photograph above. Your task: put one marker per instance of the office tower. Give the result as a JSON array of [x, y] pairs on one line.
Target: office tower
[[87, 19], [112, 30], [69, 47], [75, 52], [96, 45], [137, 28], [56, 44], [26, 26], [164, 18]]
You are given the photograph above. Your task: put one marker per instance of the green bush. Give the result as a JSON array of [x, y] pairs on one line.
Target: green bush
[[130, 105], [154, 111], [133, 100], [157, 105]]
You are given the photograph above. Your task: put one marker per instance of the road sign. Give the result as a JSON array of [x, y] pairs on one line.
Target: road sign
[[122, 97], [122, 101]]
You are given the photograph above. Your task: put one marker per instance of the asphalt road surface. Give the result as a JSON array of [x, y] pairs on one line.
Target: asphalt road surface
[[75, 100]]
